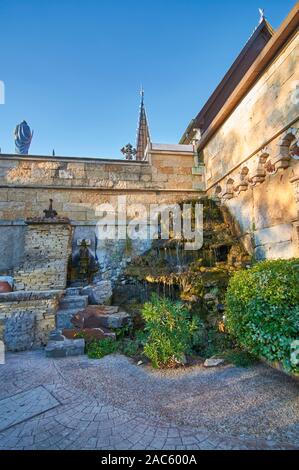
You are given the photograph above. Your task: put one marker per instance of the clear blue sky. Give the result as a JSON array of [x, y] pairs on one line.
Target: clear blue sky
[[73, 68]]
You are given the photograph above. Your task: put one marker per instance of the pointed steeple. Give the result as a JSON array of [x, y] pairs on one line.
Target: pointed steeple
[[143, 135]]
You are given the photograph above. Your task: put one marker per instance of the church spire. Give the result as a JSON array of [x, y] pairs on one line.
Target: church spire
[[143, 134]]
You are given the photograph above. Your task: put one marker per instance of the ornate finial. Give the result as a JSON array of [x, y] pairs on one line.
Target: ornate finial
[[262, 15], [142, 94], [50, 217], [50, 213], [129, 151]]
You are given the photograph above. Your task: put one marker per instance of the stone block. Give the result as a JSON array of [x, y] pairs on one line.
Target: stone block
[[213, 362], [101, 316], [101, 293], [68, 347], [276, 234], [284, 250]]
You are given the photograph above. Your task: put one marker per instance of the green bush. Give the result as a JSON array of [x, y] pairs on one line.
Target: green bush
[[124, 344], [101, 348], [262, 309], [215, 343], [240, 358], [170, 331]]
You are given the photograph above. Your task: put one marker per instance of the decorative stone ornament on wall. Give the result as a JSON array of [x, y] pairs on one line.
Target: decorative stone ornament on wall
[[261, 166], [287, 146], [259, 173], [229, 190], [242, 181]]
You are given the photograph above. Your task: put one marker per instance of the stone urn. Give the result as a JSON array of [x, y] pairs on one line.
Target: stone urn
[[6, 284], [5, 287]]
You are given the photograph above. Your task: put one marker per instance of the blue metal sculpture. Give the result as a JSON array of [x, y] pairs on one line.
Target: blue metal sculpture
[[23, 137]]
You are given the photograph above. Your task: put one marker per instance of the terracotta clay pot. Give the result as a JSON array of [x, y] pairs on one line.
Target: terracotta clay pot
[[5, 287]]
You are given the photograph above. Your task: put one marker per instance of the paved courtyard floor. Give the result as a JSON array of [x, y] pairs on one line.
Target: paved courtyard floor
[[79, 403]]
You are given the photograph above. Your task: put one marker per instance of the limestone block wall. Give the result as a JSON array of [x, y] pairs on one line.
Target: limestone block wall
[[12, 234], [46, 250], [26, 318], [78, 186], [248, 160]]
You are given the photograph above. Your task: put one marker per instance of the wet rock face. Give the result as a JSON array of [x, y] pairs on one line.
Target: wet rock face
[[197, 277]]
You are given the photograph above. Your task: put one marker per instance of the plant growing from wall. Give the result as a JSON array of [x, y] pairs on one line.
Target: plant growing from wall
[[262, 310]]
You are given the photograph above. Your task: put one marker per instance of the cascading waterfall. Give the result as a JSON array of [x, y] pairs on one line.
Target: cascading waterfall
[[171, 271]]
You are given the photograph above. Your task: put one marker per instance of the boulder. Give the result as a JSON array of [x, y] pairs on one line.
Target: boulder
[[68, 347], [100, 293], [213, 362], [90, 334], [56, 335], [98, 316], [209, 297]]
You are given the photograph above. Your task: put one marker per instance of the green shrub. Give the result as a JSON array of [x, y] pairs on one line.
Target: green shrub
[[101, 348], [124, 344], [170, 331], [215, 343], [262, 309], [129, 347], [240, 358]]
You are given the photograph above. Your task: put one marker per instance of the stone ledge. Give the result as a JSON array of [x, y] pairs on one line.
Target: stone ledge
[[9, 223], [19, 296], [65, 159]]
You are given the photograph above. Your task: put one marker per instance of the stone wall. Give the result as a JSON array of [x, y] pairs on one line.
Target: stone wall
[[26, 318], [248, 162], [11, 244], [46, 251], [169, 170], [79, 186]]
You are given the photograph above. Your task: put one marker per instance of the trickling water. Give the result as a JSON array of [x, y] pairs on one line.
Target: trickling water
[[169, 270]]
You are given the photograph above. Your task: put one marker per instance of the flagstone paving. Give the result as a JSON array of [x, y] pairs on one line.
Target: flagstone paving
[[110, 404]]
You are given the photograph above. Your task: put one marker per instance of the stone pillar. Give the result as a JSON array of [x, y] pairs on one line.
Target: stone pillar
[[46, 251]]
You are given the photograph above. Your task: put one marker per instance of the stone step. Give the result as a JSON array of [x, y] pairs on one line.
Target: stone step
[[115, 320], [73, 301], [97, 316], [89, 334], [70, 291], [64, 317], [65, 348]]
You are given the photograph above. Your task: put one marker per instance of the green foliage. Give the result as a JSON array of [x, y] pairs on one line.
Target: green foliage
[[101, 348], [124, 331], [131, 346], [170, 330], [215, 343], [262, 309], [240, 358]]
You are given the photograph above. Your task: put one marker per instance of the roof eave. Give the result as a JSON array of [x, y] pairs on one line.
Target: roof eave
[[259, 64], [284, 33]]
